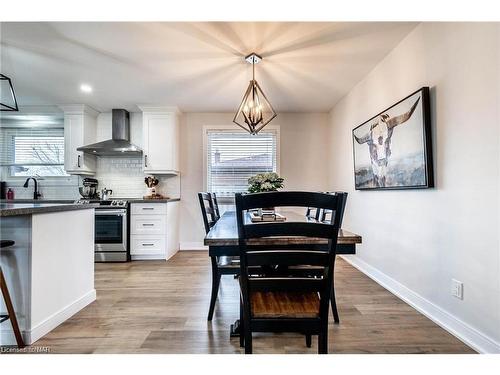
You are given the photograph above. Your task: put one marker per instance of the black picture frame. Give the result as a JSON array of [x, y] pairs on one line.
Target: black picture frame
[[379, 182]]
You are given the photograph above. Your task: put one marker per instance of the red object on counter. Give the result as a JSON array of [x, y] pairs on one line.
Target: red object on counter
[[10, 194]]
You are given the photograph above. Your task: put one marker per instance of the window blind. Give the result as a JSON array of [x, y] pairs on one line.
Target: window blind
[[233, 157], [33, 152]]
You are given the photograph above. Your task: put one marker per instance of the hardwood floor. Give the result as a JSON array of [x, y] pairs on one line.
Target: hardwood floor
[[161, 307]]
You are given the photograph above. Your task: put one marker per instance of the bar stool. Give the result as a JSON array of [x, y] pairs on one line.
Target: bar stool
[[8, 302]]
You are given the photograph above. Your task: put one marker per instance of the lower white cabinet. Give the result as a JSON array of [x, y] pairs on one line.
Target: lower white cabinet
[[147, 245], [148, 224], [149, 208], [153, 230]]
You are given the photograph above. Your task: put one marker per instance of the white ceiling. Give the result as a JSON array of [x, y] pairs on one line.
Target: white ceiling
[[198, 67]]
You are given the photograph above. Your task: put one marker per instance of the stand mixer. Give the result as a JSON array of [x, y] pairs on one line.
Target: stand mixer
[[89, 188]]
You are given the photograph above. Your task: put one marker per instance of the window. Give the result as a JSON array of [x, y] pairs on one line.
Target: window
[[234, 156], [33, 152]]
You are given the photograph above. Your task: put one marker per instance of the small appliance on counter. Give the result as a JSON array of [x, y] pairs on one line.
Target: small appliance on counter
[[105, 193], [89, 188]]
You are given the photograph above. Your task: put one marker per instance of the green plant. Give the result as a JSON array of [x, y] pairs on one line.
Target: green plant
[[261, 182]]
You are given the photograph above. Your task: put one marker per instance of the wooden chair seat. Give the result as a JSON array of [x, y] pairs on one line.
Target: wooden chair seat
[[284, 305]]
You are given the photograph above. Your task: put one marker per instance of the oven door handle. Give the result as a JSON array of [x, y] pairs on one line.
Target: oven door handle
[[111, 212]]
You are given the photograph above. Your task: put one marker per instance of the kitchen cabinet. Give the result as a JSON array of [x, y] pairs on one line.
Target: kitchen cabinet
[[154, 230], [173, 215], [80, 122], [160, 140], [148, 224]]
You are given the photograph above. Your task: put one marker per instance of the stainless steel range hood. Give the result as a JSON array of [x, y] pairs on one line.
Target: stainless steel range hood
[[119, 144]]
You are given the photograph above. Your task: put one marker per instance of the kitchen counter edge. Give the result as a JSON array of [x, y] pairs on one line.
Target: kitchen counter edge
[[153, 200], [19, 211]]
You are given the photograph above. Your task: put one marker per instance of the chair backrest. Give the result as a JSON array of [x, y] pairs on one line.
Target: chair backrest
[[326, 215], [313, 213], [216, 205], [252, 254], [207, 210]]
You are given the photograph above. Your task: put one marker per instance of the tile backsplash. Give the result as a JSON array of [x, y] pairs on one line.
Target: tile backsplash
[[122, 175], [126, 178], [65, 188]]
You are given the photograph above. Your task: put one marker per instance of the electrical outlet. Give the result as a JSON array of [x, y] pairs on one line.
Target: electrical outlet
[[457, 289]]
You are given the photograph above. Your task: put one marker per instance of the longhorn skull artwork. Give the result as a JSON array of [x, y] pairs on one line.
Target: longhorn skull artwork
[[378, 139]]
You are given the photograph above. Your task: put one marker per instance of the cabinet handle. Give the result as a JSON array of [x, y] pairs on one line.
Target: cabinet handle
[[148, 225], [78, 162], [148, 208], [148, 244], [146, 161]]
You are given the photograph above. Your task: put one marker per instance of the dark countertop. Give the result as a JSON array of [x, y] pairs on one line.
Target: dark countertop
[[17, 209], [37, 201], [139, 200], [71, 201]]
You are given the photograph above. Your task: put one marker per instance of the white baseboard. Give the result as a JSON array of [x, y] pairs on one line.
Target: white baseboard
[[193, 246], [59, 317], [148, 257], [461, 330]]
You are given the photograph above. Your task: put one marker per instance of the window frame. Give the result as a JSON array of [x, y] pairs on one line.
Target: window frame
[[18, 181], [12, 142], [234, 129]]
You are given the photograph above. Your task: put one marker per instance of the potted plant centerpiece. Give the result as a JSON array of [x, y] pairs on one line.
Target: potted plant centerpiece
[[262, 182]]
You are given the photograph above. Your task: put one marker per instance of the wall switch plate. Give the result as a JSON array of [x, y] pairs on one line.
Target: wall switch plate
[[457, 289]]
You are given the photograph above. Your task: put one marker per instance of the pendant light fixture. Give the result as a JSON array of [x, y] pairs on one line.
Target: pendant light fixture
[[255, 111], [8, 100]]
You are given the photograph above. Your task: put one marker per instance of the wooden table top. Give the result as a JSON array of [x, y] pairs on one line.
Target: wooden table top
[[225, 233]]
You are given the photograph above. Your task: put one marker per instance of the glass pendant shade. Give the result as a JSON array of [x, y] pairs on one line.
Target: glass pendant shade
[[8, 100], [255, 111]]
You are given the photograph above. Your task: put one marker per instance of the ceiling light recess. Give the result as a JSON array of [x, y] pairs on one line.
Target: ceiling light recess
[[255, 110], [86, 88]]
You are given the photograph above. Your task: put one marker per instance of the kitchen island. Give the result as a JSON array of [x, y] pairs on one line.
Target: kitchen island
[[50, 269]]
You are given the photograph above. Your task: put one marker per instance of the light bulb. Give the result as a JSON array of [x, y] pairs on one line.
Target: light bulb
[[86, 88]]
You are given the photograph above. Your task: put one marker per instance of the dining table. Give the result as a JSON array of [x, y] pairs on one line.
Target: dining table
[[222, 240]]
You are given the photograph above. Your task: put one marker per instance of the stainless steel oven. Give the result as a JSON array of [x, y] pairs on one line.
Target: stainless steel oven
[[111, 235]]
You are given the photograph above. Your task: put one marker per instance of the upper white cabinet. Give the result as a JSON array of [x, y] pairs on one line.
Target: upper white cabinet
[[79, 130], [160, 134]]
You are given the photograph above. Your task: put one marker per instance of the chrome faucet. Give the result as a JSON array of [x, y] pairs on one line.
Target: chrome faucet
[[36, 194]]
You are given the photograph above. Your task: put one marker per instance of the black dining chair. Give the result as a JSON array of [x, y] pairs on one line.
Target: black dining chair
[[216, 205], [325, 215], [313, 213], [220, 265], [286, 302]]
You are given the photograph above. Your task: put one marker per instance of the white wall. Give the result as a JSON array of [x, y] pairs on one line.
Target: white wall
[[304, 161], [416, 241]]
